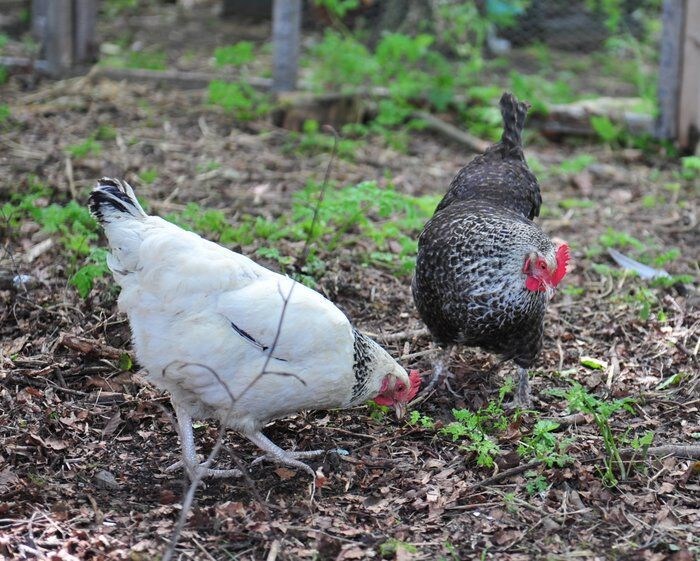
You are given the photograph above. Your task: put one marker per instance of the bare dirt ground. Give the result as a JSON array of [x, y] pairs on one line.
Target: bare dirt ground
[[68, 416]]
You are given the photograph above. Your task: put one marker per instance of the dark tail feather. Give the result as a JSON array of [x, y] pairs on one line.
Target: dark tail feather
[[112, 198], [514, 113]]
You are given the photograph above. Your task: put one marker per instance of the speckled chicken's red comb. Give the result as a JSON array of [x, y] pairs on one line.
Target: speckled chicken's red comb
[[563, 257]]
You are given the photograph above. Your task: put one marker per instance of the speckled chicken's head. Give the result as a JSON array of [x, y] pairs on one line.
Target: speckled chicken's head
[[544, 272]]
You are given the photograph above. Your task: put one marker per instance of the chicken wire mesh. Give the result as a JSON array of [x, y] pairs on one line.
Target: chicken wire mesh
[[581, 47]]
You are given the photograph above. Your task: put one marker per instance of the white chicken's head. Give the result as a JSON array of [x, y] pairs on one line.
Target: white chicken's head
[[397, 391], [380, 377]]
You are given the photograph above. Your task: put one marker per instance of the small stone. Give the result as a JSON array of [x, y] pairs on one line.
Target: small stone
[[106, 480]]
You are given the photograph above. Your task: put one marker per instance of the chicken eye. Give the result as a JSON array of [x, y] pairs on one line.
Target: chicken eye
[[542, 265], [400, 387]]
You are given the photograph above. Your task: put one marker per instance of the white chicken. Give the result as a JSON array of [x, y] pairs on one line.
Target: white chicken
[[232, 340]]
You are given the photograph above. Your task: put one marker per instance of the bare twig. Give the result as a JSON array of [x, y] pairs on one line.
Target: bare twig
[[304, 255], [568, 420], [399, 336], [690, 451], [505, 474], [90, 346]]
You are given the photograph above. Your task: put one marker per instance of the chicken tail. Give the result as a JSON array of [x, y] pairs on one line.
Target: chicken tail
[[514, 113], [112, 199]]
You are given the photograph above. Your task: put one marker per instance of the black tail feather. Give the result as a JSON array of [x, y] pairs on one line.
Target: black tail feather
[[514, 113], [112, 196]]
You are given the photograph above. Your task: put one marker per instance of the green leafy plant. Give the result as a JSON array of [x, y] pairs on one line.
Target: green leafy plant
[[608, 131], [312, 140], [239, 98], [148, 175], [146, 59], [536, 483], [392, 545], [580, 400], [425, 421], [477, 429], [89, 147], [105, 132], [4, 113], [234, 55], [338, 8], [543, 444]]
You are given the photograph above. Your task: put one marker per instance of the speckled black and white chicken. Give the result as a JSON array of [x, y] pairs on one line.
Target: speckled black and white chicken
[[485, 272], [232, 340]]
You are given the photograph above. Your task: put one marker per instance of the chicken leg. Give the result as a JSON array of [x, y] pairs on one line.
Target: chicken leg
[[522, 396], [277, 454], [189, 452]]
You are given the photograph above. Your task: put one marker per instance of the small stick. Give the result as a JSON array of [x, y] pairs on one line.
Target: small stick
[[506, 474]]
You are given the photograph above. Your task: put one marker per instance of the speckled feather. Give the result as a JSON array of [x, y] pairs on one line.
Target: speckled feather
[[469, 287], [469, 284]]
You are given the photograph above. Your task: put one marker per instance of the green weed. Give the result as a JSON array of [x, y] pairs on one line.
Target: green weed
[[149, 175], [149, 60], [568, 204], [234, 55], [425, 421], [576, 164], [392, 545], [4, 113], [620, 240], [338, 8], [312, 140], [240, 99], [543, 444], [89, 147], [609, 132], [71, 225], [105, 132], [579, 400]]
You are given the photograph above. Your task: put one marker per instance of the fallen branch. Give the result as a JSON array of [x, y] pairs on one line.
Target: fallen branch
[[690, 451], [175, 78], [451, 132], [400, 336], [506, 474], [568, 420], [90, 347]]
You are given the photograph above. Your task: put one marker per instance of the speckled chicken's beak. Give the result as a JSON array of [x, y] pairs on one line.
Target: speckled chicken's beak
[[400, 409]]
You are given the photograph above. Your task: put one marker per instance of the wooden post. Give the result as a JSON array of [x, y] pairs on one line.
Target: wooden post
[[286, 30], [670, 68], [689, 99], [58, 39], [85, 46], [39, 8]]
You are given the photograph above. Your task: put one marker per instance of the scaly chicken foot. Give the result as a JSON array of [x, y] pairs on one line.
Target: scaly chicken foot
[[522, 399], [189, 461], [277, 454]]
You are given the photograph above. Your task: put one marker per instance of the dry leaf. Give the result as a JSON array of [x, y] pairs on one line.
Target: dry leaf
[[284, 473]]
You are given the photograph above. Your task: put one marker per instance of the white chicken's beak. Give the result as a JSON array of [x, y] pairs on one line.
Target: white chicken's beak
[[400, 409]]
